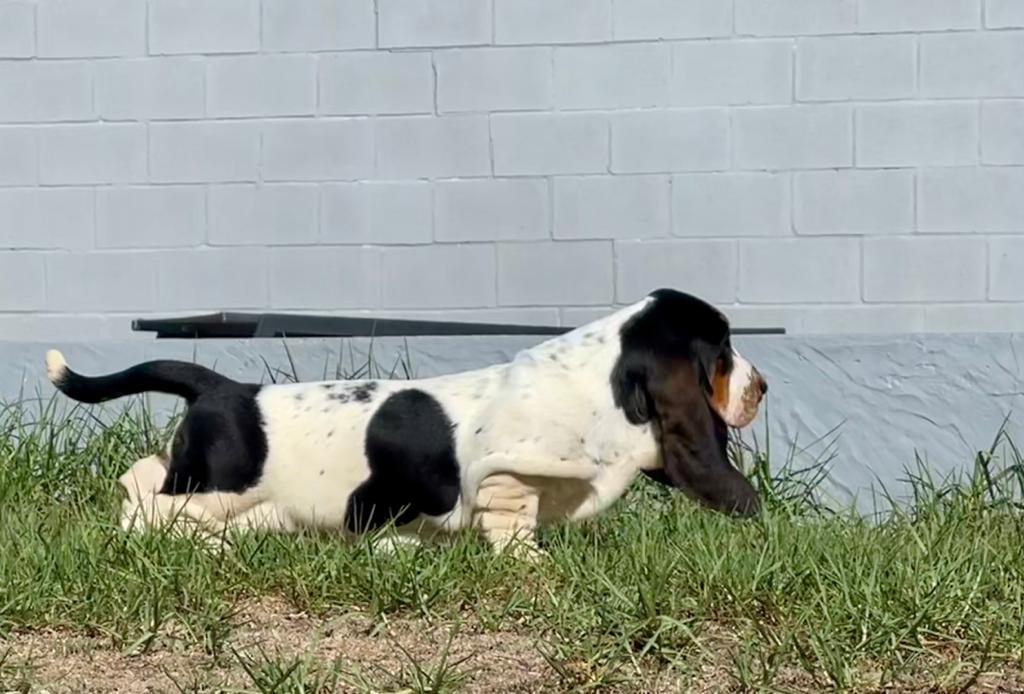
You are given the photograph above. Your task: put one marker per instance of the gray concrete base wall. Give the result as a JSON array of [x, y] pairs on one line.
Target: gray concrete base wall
[[877, 403]]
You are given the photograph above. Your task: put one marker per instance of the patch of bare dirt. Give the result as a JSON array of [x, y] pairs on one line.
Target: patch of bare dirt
[[376, 655], [368, 653]]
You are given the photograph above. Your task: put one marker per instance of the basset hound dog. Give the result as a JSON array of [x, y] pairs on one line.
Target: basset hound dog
[[556, 434]]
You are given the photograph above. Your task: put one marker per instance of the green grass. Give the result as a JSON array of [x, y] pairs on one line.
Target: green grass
[[804, 598]]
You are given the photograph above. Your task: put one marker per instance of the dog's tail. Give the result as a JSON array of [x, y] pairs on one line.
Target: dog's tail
[[179, 378]]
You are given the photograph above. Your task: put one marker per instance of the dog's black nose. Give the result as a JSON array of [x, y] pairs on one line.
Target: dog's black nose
[[762, 384]]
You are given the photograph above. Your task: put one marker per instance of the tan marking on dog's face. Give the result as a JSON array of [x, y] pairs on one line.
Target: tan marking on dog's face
[[720, 387], [736, 393]]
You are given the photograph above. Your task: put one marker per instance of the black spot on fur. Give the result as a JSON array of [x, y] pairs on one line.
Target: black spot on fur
[[330, 433], [220, 445], [410, 446], [364, 391], [477, 432], [344, 393]]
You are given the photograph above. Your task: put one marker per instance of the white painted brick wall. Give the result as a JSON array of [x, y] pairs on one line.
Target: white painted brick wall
[[671, 19], [22, 281], [972, 64], [311, 150], [510, 209], [746, 72], [376, 83], [403, 23], [271, 215], [538, 273], [324, 278], [200, 26], [797, 137], [318, 25], [666, 141], [795, 17], [706, 268], [110, 281], [150, 88], [731, 204], [92, 153], [1006, 278], [460, 276], [75, 29], [428, 147], [18, 158], [542, 143], [620, 207], [625, 75], [50, 218], [918, 15], [812, 271], [17, 29], [919, 134], [38, 91], [494, 79], [852, 201], [839, 68], [964, 199], [151, 217], [1002, 132], [924, 269], [825, 165], [207, 278], [200, 151], [381, 212], [543, 21], [275, 85], [1003, 14]]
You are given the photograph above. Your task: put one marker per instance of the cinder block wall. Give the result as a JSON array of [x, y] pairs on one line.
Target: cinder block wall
[[826, 165]]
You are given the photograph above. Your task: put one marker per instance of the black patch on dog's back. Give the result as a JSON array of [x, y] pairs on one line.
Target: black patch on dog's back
[[410, 446], [221, 445]]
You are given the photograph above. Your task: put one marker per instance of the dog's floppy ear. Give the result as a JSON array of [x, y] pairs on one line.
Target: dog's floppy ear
[[706, 358], [693, 440], [629, 388]]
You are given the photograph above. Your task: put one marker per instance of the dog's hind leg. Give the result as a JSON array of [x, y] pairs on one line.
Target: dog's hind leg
[[142, 506], [145, 507]]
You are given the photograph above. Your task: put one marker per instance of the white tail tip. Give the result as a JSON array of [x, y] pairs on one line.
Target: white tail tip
[[56, 366]]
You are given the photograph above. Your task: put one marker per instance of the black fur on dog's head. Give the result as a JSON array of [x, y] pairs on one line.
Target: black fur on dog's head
[[678, 371]]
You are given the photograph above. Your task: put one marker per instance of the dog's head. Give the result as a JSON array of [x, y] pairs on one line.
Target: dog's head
[[678, 372]]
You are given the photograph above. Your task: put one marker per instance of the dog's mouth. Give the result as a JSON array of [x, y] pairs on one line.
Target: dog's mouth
[[737, 404]]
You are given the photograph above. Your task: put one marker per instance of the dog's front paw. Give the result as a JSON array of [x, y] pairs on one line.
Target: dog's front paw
[[530, 553], [519, 547]]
